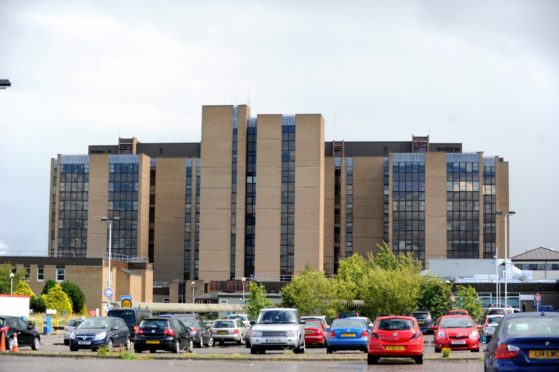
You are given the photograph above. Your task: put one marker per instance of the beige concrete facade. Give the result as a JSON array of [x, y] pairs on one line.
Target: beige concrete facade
[[143, 206], [435, 205], [329, 209], [98, 205]]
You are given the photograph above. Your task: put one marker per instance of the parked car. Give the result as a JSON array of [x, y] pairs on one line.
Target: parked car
[[495, 311], [200, 334], [159, 333], [277, 329], [315, 333], [489, 325], [208, 323], [106, 331], [69, 328], [229, 330], [242, 317], [131, 316], [458, 332], [321, 318], [347, 334], [424, 320], [26, 333], [395, 337], [527, 341], [458, 312]]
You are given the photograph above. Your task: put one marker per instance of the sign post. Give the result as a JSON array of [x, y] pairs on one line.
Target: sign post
[[538, 299]]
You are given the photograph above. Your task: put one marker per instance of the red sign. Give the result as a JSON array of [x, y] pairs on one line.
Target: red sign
[[538, 297]]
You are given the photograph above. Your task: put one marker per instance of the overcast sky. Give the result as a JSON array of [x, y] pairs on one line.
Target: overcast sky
[[483, 73]]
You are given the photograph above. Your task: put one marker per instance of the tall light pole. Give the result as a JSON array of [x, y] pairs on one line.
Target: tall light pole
[[11, 283], [109, 223], [243, 279], [496, 278], [193, 285], [507, 242]]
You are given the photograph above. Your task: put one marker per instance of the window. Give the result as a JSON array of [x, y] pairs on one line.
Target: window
[[40, 274], [60, 275]]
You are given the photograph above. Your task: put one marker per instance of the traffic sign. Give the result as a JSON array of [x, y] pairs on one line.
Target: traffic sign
[[538, 298], [108, 292], [126, 301]]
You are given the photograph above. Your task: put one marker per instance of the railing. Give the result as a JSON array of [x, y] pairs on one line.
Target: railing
[[157, 284], [114, 256], [124, 258]]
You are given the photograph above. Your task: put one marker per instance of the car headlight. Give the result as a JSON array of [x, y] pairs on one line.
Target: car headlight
[[256, 333], [100, 336], [474, 335], [441, 334], [290, 334], [72, 336]]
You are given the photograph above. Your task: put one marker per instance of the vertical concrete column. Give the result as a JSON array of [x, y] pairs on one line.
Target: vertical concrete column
[[502, 202], [243, 115], [329, 208], [435, 205], [98, 201], [143, 206]]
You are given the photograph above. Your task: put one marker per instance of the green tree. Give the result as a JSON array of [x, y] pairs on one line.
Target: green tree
[[256, 299], [350, 274], [57, 299], [387, 260], [5, 270], [37, 304], [23, 288], [434, 295], [310, 292], [76, 296], [468, 299], [48, 285]]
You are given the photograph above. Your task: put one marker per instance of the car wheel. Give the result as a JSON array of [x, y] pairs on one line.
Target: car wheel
[[221, 342], [475, 350], [190, 347], [418, 360], [372, 359], [36, 344], [110, 344], [253, 351], [329, 350], [437, 350], [66, 342], [176, 347], [152, 351], [138, 350], [211, 342], [247, 344], [73, 348]]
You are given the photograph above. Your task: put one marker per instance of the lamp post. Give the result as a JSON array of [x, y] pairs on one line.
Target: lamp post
[[507, 243], [109, 223], [243, 279], [12, 283], [496, 279], [193, 285]]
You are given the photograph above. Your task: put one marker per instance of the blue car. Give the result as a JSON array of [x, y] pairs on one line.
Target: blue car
[[525, 342], [347, 334]]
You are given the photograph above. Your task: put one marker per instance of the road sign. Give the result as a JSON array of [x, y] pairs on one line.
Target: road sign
[[538, 298], [126, 301], [108, 292]]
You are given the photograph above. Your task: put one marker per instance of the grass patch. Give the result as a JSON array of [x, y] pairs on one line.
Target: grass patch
[[103, 351], [128, 355], [445, 352]]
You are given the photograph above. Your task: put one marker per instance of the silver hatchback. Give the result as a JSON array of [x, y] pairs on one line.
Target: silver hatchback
[[229, 330]]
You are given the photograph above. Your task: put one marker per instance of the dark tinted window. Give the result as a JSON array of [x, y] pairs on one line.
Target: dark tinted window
[[154, 324], [224, 324], [395, 325], [422, 316], [129, 316]]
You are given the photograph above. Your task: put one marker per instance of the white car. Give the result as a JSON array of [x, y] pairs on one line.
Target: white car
[[489, 325], [72, 324], [242, 317], [277, 329]]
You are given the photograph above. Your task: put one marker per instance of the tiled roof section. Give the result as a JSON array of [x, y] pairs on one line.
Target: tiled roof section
[[538, 254]]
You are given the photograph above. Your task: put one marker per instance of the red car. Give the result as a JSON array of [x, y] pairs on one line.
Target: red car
[[315, 333], [458, 312], [457, 332], [395, 337]]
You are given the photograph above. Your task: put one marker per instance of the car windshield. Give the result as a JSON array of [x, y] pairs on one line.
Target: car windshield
[[496, 312], [128, 315], [224, 324], [277, 316], [532, 327], [494, 320], [395, 325], [74, 323], [237, 316], [456, 323], [154, 323], [189, 322], [312, 324], [348, 323], [421, 316], [94, 323]]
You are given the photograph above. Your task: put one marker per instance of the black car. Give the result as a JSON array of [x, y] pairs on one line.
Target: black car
[[524, 342], [162, 334], [201, 335], [131, 316], [94, 333], [26, 333], [424, 321]]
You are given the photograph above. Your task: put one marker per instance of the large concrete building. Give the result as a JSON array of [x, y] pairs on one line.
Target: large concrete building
[[265, 196]]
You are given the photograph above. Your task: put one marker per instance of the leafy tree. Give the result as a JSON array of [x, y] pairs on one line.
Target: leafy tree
[[23, 288], [434, 295], [57, 299], [76, 296], [37, 304], [48, 285], [468, 299], [310, 292], [5, 270], [350, 273], [257, 299], [387, 260]]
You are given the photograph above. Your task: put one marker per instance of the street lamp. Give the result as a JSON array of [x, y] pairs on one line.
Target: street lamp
[[193, 285], [12, 283], [243, 279], [109, 223], [507, 247]]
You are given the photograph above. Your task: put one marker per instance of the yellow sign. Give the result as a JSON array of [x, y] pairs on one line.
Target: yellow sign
[[126, 303]]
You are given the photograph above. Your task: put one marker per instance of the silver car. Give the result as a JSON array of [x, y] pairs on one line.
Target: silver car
[[72, 324], [490, 324], [278, 329], [229, 330]]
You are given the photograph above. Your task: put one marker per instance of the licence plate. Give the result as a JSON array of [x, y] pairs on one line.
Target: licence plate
[[420, 322], [84, 342], [348, 334], [273, 341], [544, 354], [152, 342], [395, 348], [459, 342], [308, 332], [222, 332]]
